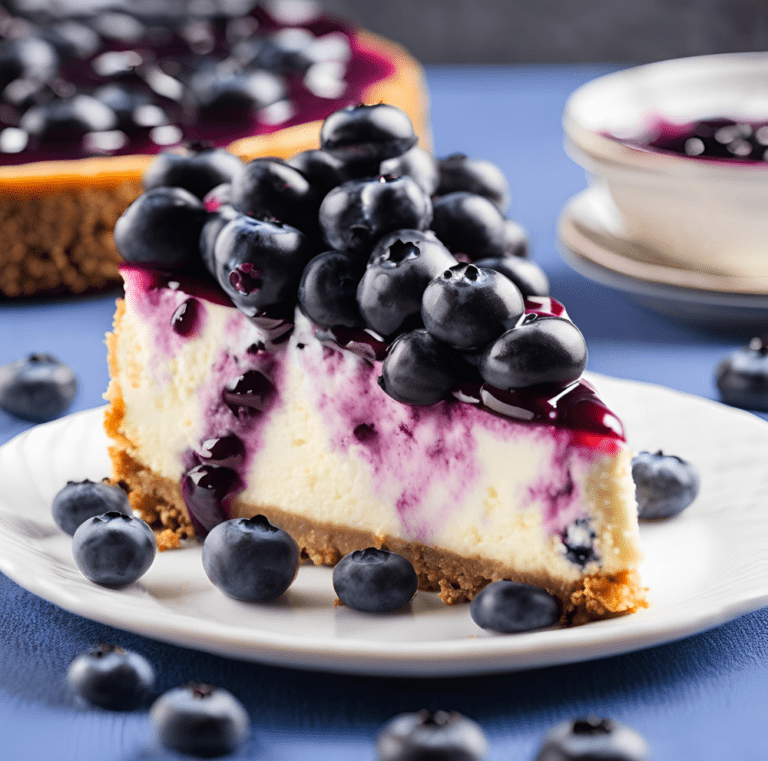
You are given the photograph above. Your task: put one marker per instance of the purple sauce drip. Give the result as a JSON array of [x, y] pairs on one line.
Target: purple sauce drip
[[207, 491], [186, 319], [227, 451]]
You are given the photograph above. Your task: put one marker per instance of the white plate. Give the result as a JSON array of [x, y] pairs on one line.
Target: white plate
[[593, 242], [705, 567]]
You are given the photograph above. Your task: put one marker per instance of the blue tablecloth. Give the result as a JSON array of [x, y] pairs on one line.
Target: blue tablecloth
[[705, 697]]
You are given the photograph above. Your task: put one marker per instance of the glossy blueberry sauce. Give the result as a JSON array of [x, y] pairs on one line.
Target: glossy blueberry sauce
[[187, 318], [154, 67]]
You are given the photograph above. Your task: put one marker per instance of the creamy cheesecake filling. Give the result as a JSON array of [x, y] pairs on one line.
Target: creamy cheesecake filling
[[328, 447]]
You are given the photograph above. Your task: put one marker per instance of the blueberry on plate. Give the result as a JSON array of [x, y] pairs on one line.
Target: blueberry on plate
[[419, 369], [109, 677], [416, 163], [356, 214], [460, 173], [250, 559], [367, 134], [259, 264], [200, 720], [742, 377], [80, 500], [199, 170], [530, 279], [431, 736], [469, 224], [270, 188], [328, 290], [400, 267], [161, 228], [468, 306], [114, 549], [664, 484], [539, 350], [37, 388], [509, 607], [591, 738], [374, 581]]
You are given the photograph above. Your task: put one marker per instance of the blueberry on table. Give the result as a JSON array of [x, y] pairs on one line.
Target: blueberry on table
[[37, 388], [460, 173], [199, 170], [742, 377], [469, 224], [367, 134], [400, 267], [161, 228], [664, 484], [591, 738], [509, 607], [374, 581], [539, 350], [468, 306], [419, 369], [431, 736], [259, 264], [530, 279], [250, 559], [200, 720], [80, 500], [328, 290], [109, 677], [114, 549], [416, 163], [356, 214], [270, 188]]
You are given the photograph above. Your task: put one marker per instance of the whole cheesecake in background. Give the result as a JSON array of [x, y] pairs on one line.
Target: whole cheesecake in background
[[390, 392], [89, 93]]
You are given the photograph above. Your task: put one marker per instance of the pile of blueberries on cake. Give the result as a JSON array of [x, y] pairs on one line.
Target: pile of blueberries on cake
[[382, 247]]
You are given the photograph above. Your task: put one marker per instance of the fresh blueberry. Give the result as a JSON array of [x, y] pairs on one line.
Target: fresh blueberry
[[375, 581], [323, 171], [200, 720], [509, 607], [356, 214], [416, 163], [530, 279], [259, 264], [591, 738], [37, 388], [516, 241], [469, 224], [431, 736], [161, 228], [250, 559], [28, 58], [419, 369], [328, 290], [400, 267], [114, 549], [214, 224], [68, 120], [460, 173], [539, 350], [367, 135], [259, 52], [238, 94], [467, 306], [269, 188], [199, 170], [109, 677], [742, 377], [80, 500], [664, 484], [126, 102]]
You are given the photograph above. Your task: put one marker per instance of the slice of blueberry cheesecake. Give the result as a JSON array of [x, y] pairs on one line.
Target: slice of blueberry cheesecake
[[365, 354], [89, 94]]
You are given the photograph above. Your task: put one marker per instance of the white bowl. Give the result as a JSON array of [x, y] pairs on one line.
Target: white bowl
[[708, 215]]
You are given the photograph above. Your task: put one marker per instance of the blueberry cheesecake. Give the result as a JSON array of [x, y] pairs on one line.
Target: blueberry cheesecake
[[334, 356], [89, 94]]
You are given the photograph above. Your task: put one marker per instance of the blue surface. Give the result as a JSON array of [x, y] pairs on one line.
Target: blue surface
[[702, 698]]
